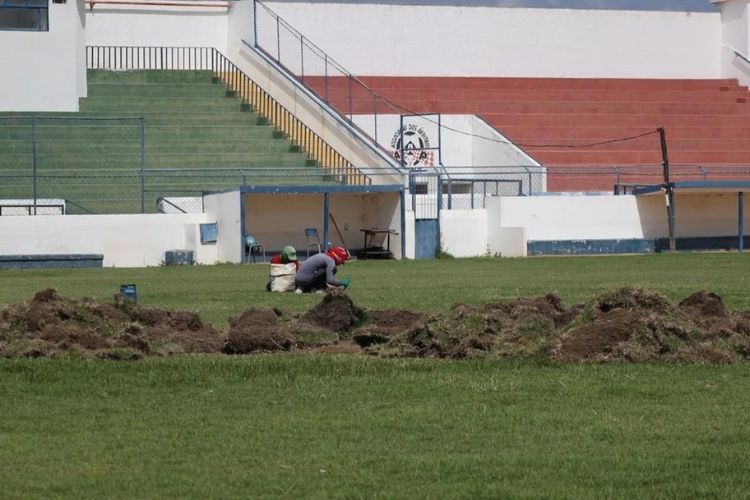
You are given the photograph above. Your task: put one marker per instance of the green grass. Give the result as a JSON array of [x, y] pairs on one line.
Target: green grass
[[289, 426], [216, 292]]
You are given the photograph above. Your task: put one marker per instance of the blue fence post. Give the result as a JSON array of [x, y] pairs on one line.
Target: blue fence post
[[326, 211], [741, 221], [33, 160], [143, 165]]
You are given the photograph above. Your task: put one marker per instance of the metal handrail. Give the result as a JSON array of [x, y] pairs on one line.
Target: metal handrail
[[184, 3], [737, 53], [161, 199], [285, 121], [372, 144]]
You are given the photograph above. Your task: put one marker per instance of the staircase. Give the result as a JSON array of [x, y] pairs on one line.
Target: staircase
[[198, 137], [566, 123]]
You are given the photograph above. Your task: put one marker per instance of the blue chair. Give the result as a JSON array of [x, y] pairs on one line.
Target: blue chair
[[253, 248], [312, 240]]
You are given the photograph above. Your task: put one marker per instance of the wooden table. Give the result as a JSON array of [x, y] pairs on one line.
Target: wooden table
[[376, 252]]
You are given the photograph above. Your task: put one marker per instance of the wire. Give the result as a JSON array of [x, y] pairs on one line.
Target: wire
[[396, 106]]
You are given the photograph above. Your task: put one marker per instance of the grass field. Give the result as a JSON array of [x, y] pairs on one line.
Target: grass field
[[217, 292], [357, 427]]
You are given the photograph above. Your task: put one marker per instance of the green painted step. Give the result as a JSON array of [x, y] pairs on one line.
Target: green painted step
[[120, 90], [151, 105], [119, 146], [132, 133], [150, 76], [96, 161]]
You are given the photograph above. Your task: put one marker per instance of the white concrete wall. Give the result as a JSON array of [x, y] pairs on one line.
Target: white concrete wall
[[485, 41], [462, 140], [123, 240], [158, 26], [735, 21], [547, 218], [506, 241], [569, 217], [43, 70], [463, 233], [224, 208], [410, 231]]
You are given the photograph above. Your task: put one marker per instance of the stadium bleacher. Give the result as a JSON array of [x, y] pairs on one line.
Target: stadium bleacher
[[575, 124], [197, 136]]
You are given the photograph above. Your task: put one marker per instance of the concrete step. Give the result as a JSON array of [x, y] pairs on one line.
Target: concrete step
[[398, 95], [647, 143], [118, 146], [149, 76], [126, 133], [572, 157], [121, 90], [156, 160], [152, 105], [176, 117], [532, 107], [601, 119], [593, 133], [462, 83]]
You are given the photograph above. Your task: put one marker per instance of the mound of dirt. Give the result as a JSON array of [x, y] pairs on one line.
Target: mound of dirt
[[704, 304], [51, 325], [519, 327], [549, 306], [386, 323], [635, 299], [257, 330], [336, 312], [622, 325], [630, 324]]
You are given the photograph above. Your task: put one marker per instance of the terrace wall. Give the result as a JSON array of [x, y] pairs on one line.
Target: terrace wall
[[432, 40], [123, 240]]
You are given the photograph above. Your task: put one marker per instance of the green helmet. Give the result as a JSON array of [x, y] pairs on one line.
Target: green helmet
[[289, 254]]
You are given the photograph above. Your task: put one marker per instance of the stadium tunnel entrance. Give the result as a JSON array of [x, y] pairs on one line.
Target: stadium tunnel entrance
[[277, 216]]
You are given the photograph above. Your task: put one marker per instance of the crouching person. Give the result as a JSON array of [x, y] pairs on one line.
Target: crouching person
[[316, 274], [283, 271]]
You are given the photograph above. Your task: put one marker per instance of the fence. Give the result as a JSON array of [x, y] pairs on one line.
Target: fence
[[95, 163]]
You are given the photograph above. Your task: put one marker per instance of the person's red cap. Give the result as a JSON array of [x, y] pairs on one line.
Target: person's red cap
[[338, 254]]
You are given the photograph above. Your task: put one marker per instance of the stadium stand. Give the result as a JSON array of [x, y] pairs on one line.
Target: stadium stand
[[573, 124], [197, 136]]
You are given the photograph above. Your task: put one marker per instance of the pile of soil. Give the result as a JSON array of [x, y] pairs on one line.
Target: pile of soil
[[622, 325], [336, 312], [51, 325], [257, 330]]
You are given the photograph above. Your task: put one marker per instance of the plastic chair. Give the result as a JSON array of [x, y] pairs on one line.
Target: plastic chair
[[312, 240], [253, 247]]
